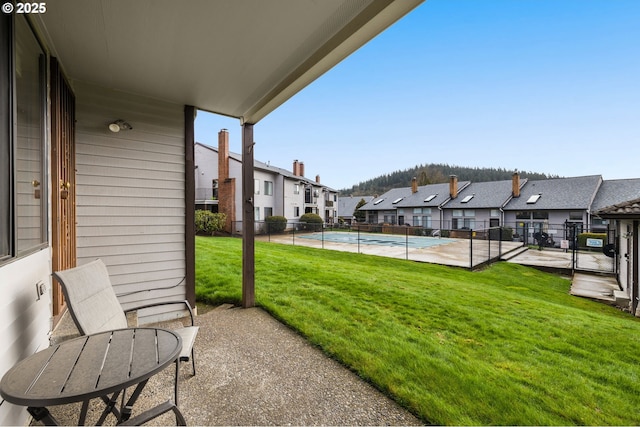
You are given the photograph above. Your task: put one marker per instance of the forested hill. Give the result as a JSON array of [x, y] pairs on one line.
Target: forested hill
[[434, 174]]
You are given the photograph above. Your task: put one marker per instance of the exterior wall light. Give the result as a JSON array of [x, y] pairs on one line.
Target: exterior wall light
[[119, 125]]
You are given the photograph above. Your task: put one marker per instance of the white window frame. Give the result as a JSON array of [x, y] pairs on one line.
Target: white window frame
[[268, 188]]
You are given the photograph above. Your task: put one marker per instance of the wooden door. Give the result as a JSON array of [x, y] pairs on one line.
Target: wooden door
[[63, 178]]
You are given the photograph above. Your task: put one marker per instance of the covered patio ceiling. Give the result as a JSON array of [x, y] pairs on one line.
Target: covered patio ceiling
[[240, 58]]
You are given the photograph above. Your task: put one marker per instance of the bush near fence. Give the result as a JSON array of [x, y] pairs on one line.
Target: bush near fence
[[276, 224], [207, 222], [311, 222]]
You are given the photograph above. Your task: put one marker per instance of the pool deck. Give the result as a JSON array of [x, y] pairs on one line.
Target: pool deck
[[592, 278], [452, 252]]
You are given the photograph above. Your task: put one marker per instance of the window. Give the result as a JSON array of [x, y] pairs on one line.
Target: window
[[422, 210], [256, 186], [377, 202], [467, 198], [540, 215], [214, 191], [495, 213], [22, 177], [430, 198], [296, 211], [397, 200], [463, 218], [575, 216], [422, 221], [256, 214], [296, 189], [268, 212], [268, 188], [533, 199]]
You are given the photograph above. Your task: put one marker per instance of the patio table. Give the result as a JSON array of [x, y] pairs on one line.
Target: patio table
[[102, 366]]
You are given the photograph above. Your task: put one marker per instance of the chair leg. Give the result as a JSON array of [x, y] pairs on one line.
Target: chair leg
[[175, 389], [193, 361]]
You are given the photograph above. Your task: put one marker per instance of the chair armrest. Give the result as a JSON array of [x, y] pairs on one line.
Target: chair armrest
[[185, 302]]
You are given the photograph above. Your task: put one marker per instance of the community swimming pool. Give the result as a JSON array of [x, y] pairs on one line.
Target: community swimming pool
[[353, 237]]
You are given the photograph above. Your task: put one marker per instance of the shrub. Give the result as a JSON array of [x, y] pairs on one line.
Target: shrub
[[311, 221], [504, 233], [276, 224], [209, 222]]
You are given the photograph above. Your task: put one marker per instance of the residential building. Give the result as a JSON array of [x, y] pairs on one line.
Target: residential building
[[480, 204], [418, 206], [555, 207], [612, 192], [276, 191], [546, 206], [347, 207], [626, 218]]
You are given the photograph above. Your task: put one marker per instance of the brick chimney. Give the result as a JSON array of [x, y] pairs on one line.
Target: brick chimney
[[318, 179], [414, 185], [296, 168], [453, 186], [226, 185], [515, 185], [301, 169], [223, 155]]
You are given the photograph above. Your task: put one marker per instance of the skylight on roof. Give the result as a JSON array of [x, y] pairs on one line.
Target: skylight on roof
[[533, 199], [466, 199], [377, 202], [430, 198], [397, 200]]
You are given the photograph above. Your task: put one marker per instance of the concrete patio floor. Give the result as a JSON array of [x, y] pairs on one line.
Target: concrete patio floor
[[253, 370]]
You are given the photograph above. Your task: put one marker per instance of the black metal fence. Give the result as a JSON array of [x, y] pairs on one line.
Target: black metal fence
[[463, 248], [591, 248]]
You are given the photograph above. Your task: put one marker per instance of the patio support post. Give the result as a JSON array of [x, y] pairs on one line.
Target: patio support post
[[248, 219], [190, 204]]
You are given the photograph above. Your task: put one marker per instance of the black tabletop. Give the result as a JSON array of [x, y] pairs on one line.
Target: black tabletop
[[90, 366]]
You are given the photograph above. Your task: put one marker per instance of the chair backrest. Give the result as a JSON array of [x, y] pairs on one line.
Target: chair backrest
[[91, 299]]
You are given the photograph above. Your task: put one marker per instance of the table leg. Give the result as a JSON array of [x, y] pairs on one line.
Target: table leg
[[110, 407], [83, 413], [126, 409], [43, 415]]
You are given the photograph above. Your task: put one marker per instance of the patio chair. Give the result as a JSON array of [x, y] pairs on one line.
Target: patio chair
[[94, 307]]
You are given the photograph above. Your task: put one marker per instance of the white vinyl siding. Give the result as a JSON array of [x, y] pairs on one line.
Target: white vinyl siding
[[24, 320], [130, 193]]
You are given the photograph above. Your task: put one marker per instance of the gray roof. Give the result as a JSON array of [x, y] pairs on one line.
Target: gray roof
[[557, 194], [269, 168], [487, 195], [347, 205], [628, 209], [440, 191], [615, 191], [385, 202]]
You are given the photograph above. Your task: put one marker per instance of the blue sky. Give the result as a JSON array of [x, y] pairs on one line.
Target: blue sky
[[540, 85]]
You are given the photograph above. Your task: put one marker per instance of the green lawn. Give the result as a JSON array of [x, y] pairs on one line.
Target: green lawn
[[504, 346]]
